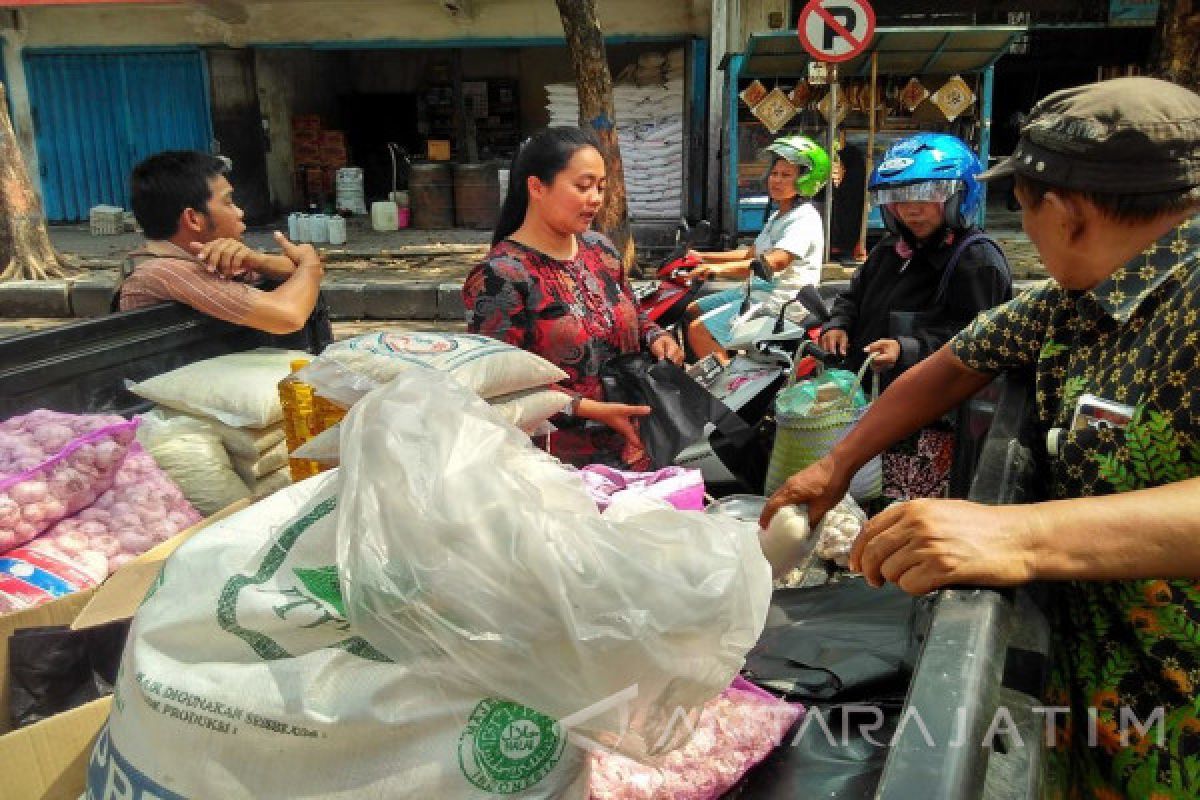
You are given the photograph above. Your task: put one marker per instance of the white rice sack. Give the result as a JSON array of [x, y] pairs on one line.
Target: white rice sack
[[272, 483], [238, 389], [244, 442], [251, 468], [192, 454], [527, 410], [348, 370]]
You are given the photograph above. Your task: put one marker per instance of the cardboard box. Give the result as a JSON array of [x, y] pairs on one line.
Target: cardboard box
[[306, 154], [306, 138], [306, 122], [48, 760], [439, 149], [333, 140], [334, 157]]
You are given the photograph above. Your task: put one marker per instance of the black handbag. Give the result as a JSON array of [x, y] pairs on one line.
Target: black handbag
[[681, 407]]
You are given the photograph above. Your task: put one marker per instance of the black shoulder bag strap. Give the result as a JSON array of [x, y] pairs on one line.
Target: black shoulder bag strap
[[956, 256]]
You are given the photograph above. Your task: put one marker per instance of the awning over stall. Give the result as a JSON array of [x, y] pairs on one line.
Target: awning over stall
[[948, 50], [924, 50]]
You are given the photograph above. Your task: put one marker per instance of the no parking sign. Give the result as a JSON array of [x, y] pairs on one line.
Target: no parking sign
[[836, 30]]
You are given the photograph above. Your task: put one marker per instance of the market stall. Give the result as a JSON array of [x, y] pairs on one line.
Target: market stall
[[914, 79]]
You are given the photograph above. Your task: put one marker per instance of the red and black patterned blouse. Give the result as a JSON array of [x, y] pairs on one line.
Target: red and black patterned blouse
[[576, 314]]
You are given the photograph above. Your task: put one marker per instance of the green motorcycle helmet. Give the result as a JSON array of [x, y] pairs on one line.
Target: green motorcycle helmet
[[809, 157]]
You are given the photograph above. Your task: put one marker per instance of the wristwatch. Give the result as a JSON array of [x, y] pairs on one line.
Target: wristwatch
[[573, 408]]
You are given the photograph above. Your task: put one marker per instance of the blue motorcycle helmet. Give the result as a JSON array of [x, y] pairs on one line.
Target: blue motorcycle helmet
[[928, 167]]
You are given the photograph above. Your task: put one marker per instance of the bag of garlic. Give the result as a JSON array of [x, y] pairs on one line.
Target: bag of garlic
[[736, 730], [420, 623], [141, 510], [53, 465]]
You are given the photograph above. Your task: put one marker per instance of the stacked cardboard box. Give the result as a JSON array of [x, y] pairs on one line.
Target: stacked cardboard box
[[318, 154]]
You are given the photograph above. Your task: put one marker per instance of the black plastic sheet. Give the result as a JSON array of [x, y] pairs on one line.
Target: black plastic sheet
[[55, 669], [839, 642]]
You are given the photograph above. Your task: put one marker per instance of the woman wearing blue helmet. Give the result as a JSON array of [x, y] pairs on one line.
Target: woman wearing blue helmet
[[928, 278]]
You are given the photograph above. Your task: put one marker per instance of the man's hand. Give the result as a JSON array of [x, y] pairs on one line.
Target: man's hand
[[298, 253], [665, 347], [835, 341], [228, 257], [886, 352], [819, 486], [923, 545]]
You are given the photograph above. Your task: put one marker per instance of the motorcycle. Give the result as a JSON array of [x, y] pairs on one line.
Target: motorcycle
[[748, 384], [665, 302]]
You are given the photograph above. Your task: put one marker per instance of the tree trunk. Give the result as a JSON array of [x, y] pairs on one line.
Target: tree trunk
[[1176, 48], [25, 249], [594, 81]]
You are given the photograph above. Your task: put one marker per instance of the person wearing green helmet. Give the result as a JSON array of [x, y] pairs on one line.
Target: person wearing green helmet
[[791, 244]]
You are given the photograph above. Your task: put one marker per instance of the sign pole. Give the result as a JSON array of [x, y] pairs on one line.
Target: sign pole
[[833, 104], [860, 249]]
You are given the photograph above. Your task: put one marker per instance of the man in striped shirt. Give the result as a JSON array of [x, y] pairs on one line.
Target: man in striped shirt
[[194, 252]]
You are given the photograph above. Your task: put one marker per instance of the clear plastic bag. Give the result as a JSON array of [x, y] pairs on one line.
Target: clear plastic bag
[[464, 549]]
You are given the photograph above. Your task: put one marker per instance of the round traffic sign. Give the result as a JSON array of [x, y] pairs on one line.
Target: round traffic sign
[[836, 30]]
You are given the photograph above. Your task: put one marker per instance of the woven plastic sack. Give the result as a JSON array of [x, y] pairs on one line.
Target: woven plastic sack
[[812, 417], [348, 370], [244, 442], [191, 453], [736, 731], [238, 389], [527, 410], [442, 617], [53, 465]]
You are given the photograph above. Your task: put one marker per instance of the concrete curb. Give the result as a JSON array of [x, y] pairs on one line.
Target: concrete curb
[[35, 299]]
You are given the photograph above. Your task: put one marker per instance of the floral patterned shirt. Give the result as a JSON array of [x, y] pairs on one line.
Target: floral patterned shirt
[[1128, 648], [576, 314]]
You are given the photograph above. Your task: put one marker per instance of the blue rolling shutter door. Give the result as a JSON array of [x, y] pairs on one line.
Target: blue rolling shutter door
[[98, 114]]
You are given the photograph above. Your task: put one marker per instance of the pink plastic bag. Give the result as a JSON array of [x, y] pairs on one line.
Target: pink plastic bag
[[736, 730], [143, 508], [53, 465], [681, 487]]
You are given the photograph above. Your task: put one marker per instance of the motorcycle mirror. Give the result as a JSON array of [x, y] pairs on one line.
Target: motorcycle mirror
[[813, 303], [681, 232], [701, 231], [759, 269]]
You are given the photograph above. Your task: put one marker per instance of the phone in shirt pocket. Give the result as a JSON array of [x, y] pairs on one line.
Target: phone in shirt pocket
[[1096, 413]]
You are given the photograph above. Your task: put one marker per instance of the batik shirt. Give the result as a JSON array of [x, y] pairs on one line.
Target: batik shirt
[[1134, 340], [577, 314]]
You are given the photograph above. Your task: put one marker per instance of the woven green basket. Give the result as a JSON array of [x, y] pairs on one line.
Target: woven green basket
[[803, 439]]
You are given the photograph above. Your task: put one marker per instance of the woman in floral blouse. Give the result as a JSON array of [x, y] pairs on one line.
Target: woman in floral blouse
[[554, 287]]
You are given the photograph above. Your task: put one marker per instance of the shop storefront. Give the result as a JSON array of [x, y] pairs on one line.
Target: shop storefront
[[328, 107], [915, 79]]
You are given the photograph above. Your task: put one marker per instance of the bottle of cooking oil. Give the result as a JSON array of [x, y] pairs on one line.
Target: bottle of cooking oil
[[299, 419], [328, 413]]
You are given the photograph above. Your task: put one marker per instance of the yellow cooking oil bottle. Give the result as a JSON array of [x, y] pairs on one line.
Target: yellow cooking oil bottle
[[299, 419]]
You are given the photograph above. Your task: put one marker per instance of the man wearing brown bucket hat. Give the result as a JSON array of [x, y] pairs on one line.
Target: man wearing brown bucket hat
[[1108, 176]]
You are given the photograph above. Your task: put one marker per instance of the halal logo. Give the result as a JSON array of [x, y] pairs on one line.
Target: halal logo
[[507, 748]]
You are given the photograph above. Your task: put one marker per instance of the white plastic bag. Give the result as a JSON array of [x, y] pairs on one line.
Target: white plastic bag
[[513, 582]]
